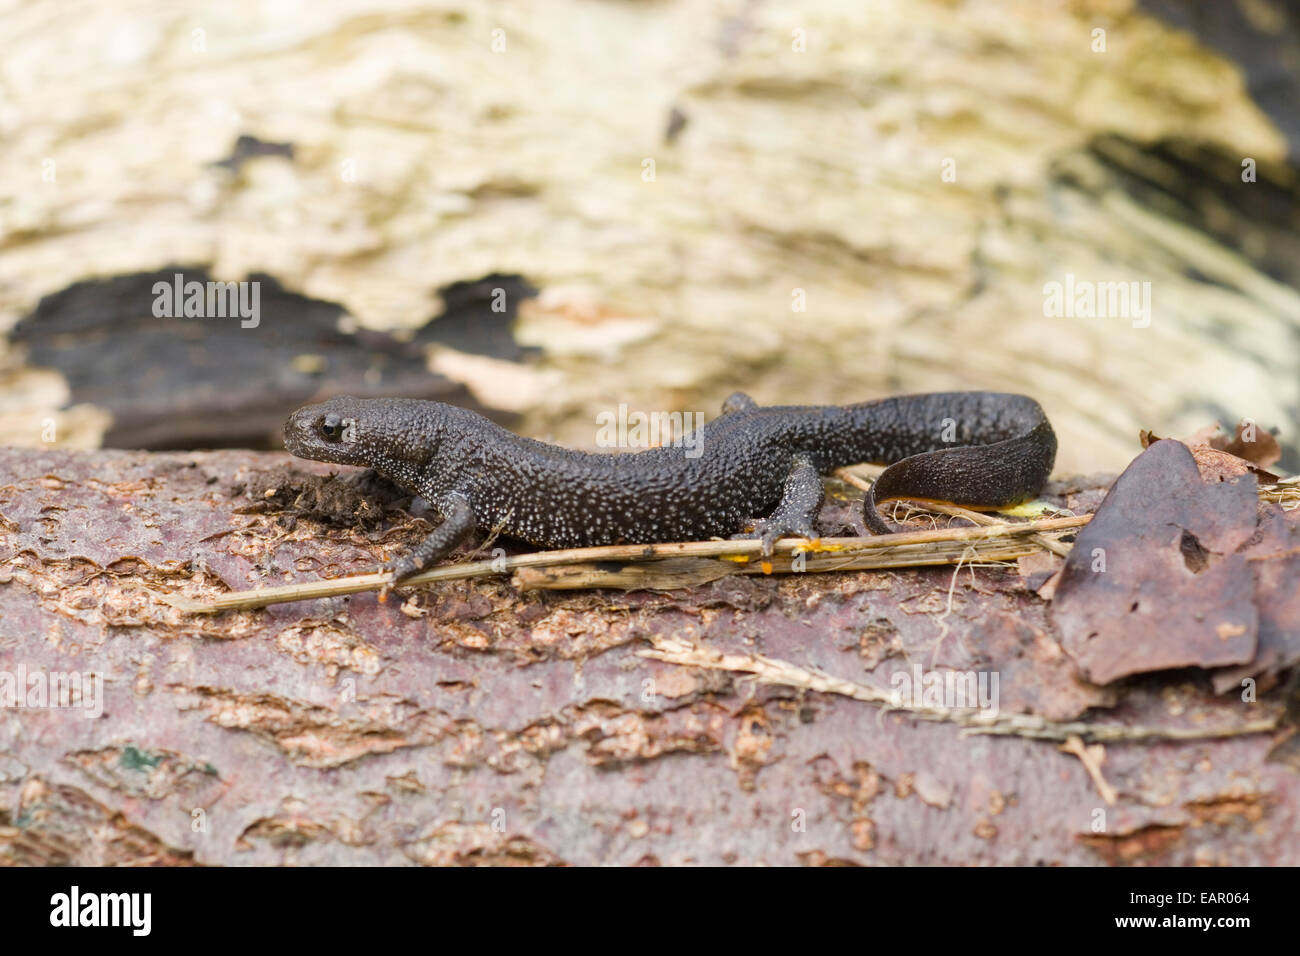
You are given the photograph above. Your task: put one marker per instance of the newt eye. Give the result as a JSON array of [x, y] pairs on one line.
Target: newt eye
[[331, 427]]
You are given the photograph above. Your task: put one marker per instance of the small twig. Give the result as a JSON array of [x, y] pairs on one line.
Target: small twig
[[770, 670], [985, 520], [673, 573], [1091, 757], [840, 549], [1285, 492]]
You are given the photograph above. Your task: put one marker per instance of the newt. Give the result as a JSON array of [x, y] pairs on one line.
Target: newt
[[756, 467]]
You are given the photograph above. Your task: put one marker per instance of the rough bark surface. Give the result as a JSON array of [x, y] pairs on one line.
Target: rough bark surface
[[470, 723]]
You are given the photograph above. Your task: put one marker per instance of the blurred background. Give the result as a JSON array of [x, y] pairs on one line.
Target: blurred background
[[542, 210]]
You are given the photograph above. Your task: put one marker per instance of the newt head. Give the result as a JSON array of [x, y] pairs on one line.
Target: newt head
[[325, 432], [362, 431]]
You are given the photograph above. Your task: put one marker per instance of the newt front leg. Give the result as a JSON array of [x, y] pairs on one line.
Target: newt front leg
[[457, 524]]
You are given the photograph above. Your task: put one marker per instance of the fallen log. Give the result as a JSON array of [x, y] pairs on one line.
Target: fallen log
[[784, 718]]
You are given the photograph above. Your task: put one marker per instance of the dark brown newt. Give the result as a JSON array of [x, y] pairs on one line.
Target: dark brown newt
[[980, 449]]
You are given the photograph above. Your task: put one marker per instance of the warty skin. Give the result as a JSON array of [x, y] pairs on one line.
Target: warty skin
[[981, 449]]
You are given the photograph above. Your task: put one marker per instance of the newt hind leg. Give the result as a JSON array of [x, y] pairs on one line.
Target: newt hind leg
[[801, 498]]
